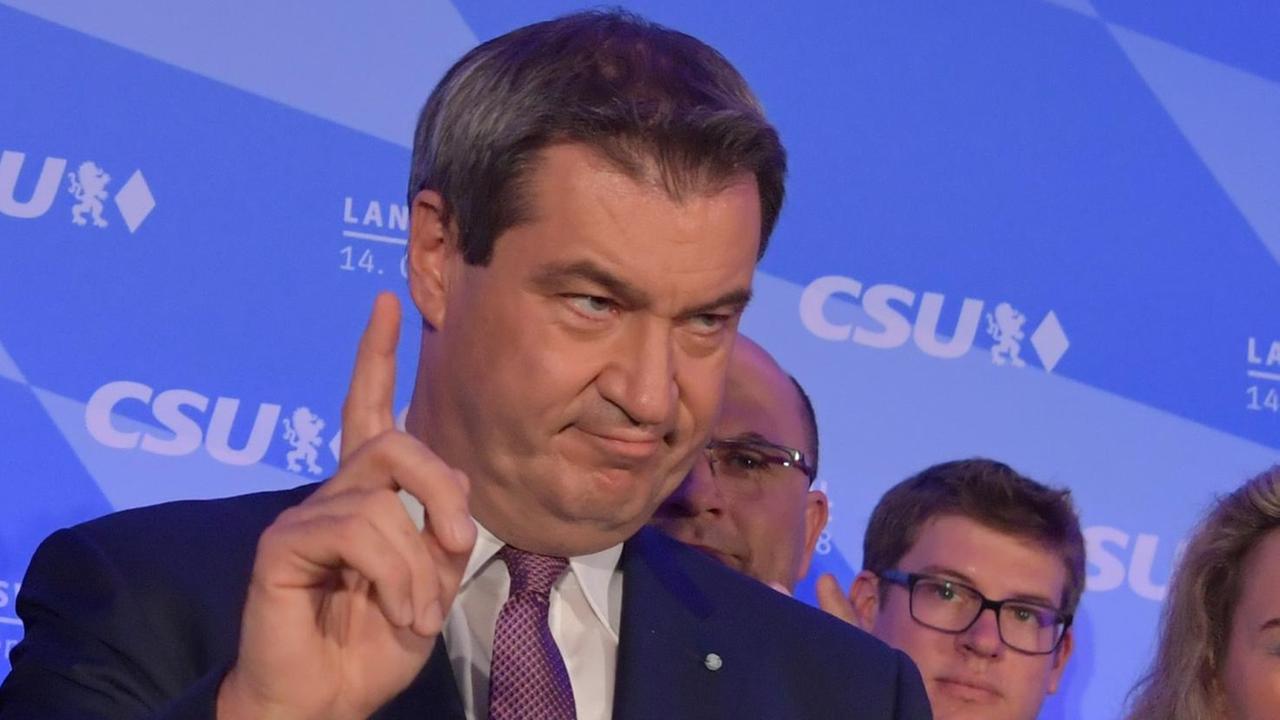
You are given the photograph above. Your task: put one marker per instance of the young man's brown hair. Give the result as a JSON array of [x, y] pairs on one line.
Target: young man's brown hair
[[987, 492]]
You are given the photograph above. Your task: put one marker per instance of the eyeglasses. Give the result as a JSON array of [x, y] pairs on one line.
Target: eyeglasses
[[757, 460], [951, 607]]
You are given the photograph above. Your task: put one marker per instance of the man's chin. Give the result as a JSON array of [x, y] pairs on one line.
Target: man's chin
[[610, 503]]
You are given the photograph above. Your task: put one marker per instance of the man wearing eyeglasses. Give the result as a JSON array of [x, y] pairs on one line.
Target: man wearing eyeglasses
[[948, 545], [748, 502]]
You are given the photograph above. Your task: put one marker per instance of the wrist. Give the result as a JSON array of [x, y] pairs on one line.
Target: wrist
[[236, 701]]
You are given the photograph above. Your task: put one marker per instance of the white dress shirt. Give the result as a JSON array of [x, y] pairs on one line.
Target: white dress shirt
[[585, 615]]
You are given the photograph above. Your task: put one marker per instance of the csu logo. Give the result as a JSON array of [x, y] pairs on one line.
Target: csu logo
[[88, 185], [1117, 559], [889, 306], [184, 414]]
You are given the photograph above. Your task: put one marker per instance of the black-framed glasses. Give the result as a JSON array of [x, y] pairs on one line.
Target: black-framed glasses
[[754, 459], [953, 607]]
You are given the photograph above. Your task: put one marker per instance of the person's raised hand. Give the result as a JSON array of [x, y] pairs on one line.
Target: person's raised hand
[[834, 600], [347, 596]]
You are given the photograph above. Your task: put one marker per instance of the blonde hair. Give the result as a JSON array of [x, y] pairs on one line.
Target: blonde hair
[[1183, 682]]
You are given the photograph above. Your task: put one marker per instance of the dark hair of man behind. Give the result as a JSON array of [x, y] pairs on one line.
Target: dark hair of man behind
[[811, 427], [659, 104], [989, 493]]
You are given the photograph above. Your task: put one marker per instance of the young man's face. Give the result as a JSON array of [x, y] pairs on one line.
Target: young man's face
[[581, 369], [972, 675], [763, 521]]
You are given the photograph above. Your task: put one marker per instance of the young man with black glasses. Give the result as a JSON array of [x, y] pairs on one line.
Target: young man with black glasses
[[944, 547], [748, 502]]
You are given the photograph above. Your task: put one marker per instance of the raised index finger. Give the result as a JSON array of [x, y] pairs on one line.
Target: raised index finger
[[366, 412]]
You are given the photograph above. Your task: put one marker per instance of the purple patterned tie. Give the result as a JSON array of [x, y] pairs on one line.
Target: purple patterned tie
[[528, 679]]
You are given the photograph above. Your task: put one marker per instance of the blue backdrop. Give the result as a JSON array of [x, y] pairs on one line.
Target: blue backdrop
[[1044, 231]]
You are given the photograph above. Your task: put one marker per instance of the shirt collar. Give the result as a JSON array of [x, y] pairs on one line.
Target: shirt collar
[[487, 545], [594, 572]]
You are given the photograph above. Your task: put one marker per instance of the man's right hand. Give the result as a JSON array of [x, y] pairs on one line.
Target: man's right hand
[[347, 596]]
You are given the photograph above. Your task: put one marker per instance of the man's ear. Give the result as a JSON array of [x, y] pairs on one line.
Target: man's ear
[[1060, 660], [433, 245], [815, 519], [865, 596]]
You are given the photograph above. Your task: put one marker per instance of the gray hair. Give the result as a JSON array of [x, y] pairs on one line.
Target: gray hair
[[651, 100]]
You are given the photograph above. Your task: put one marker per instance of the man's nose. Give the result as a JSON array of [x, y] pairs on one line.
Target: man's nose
[[640, 377], [983, 636], [698, 494]]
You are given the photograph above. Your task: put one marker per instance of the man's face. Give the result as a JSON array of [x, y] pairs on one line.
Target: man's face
[[576, 376], [765, 522], [974, 675]]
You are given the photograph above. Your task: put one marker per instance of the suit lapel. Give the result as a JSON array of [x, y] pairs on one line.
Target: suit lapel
[[665, 637]]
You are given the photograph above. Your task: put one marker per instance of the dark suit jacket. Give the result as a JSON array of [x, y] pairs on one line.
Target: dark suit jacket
[[137, 615]]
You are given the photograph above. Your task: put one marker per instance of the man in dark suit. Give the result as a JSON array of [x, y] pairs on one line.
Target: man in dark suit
[[589, 198]]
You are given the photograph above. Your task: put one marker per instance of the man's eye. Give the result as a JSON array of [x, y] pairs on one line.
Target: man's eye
[[943, 591], [1032, 615], [709, 323], [591, 305], [744, 461]]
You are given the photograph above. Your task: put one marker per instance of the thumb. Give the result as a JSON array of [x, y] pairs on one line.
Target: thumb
[[832, 599]]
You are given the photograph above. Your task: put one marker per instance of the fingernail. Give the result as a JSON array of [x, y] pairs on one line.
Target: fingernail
[[463, 529], [431, 621], [780, 588]]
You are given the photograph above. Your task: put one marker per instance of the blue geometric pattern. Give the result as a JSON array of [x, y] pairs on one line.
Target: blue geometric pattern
[[1227, 115], [367, 66], [1044, 231], [8, 368]]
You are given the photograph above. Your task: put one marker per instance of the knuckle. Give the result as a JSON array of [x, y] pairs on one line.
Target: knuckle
[[462, 480], [286, 518], [385, 444], [350, 530], [384, 505], [269, 544]]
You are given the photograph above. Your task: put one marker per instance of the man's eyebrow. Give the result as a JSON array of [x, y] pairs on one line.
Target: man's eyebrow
[[552, 276], [749, 436], [1035, 600], [961, 577], [944, 570], [736, 299], [1272, 623]]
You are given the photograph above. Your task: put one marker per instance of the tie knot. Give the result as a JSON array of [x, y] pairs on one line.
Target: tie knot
[[531, 572]]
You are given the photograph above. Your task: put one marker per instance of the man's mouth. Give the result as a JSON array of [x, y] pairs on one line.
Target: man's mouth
[[627, 445], [968, 689]]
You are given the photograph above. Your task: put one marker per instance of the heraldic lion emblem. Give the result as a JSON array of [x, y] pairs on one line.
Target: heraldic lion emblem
[[88, 184], [1006, 329], [304, 435]]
